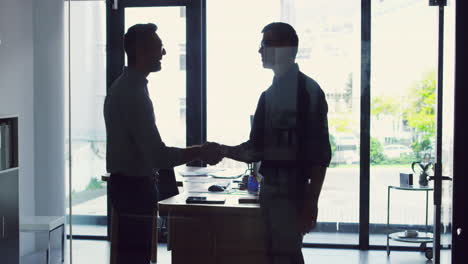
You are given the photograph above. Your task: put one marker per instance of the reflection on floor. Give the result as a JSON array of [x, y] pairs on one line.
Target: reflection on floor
[[313, 237], [88, 230], [97, 252]]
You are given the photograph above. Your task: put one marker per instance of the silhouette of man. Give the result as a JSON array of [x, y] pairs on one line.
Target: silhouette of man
[[290, 137], [135, 150]]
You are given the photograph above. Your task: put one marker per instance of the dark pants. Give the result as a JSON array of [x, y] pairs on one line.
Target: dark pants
[[280, 209], [135, 199]]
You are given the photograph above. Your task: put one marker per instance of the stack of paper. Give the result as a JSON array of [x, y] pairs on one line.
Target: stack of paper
[[198, 171], [228, 173]]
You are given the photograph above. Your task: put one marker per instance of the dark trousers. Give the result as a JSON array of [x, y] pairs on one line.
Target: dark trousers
[[135, 199], [283, 237], [280, 207]]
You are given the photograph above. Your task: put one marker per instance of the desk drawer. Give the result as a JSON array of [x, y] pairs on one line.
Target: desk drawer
[[240, 233], [186, 232]]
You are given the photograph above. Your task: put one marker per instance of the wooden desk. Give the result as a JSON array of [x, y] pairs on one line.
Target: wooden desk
[[214, 234], [217, 234]]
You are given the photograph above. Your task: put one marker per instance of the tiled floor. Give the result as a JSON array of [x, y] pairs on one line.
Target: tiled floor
[[97, 252]]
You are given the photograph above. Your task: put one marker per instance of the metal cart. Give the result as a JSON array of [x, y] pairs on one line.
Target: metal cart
[[422, 238]]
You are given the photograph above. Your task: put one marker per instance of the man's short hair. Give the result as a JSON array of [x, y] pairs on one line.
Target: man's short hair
[[285, 33], [136, 37]]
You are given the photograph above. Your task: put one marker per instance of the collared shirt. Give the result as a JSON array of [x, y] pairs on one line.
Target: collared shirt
[[134, 145], [277, 109]]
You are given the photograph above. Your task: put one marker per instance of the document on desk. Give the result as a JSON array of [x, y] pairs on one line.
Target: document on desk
[[233, 173], [201, 171], [201, 185]]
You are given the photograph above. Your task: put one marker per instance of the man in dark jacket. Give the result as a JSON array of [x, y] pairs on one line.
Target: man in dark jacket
[[290, 137]]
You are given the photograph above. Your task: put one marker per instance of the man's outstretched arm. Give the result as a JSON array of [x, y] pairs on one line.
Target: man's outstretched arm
[[209, 152], [244, 152], [140, 114], [252, 150]]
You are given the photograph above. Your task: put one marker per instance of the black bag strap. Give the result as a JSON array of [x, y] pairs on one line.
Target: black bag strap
[[303, 103]]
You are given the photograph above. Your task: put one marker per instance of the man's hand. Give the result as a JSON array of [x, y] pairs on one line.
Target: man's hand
[[308, 219], [211, 153]]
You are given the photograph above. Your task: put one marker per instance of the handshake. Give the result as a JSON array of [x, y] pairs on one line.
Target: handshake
[[212, 153]]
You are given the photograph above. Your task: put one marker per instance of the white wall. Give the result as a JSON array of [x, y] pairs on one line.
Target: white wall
[[16, 94], [31, 86]]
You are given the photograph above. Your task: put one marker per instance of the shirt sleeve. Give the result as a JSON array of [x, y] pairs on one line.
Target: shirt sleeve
[[320, 147], [140, 121]]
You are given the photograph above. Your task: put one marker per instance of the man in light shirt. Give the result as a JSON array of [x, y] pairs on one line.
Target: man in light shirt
[[290, 137], [135, 150]]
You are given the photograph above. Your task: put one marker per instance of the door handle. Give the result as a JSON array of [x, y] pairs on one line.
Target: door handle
[[459, 231], [444, 178], [3, 226]]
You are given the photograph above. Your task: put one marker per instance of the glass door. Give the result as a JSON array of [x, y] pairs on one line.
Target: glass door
[[403, 118], [443, 184], [412, 117], [86, 142]]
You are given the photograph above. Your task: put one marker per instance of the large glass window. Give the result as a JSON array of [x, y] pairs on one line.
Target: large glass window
[[403, 102], [329, 52], [403, 112], [88, 89], [167, 88], [235, 77]]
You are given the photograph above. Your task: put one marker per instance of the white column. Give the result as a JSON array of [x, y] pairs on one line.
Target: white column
[[16, 95], [48, 20]]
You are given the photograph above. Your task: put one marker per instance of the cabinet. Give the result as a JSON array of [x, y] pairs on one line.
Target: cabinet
[[9, 200], [9, 217]]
